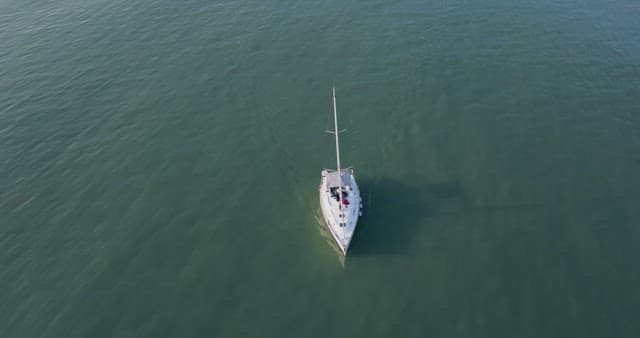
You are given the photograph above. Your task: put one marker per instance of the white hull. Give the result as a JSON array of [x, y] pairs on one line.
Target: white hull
[[340, 213]]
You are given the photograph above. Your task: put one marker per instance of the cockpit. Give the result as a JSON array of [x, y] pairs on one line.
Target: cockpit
[[335, 191]]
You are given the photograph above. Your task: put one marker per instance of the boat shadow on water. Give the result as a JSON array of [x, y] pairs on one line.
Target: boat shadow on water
[[394, 212]]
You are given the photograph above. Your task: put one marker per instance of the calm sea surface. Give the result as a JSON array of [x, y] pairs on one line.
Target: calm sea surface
[[159, 166]]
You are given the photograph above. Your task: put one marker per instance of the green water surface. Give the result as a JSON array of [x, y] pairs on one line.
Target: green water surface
[[159, 165]]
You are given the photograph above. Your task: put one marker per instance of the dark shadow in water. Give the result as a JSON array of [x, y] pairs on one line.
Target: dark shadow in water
[[393, 211]]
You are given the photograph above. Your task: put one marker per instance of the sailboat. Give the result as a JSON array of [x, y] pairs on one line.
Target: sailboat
[[340, 201]]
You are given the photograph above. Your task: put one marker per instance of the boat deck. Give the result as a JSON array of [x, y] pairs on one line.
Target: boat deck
[[333, 178]]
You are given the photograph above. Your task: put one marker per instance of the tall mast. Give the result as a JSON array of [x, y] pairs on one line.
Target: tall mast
[[335, 120]]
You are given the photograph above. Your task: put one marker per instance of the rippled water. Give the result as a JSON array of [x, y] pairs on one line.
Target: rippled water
[[159, 165]]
